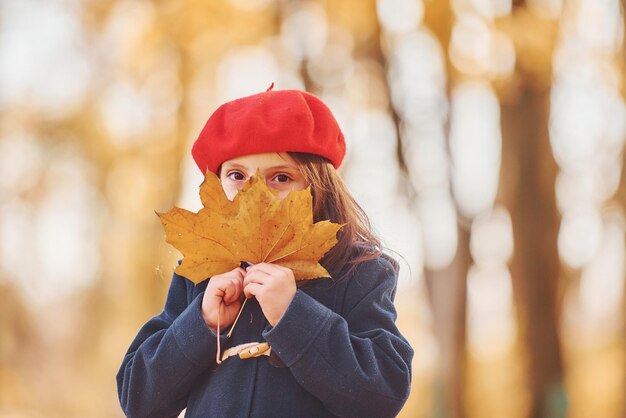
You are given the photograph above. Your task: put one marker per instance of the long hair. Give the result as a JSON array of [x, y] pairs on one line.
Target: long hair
[[331, 200]]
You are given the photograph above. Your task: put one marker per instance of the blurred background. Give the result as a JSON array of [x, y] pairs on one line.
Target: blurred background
[[486, 142]]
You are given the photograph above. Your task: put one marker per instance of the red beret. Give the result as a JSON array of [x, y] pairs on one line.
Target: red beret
[[274, 121]]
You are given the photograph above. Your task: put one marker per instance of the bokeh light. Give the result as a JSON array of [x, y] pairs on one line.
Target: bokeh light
[[439, 102]]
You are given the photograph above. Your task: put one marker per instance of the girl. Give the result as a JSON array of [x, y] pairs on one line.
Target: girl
[[334, 349]]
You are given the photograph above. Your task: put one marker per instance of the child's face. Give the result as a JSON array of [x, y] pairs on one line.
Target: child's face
[[279, 169]]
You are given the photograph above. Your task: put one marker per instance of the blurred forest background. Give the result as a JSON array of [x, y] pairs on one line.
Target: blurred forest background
[[486, 142]]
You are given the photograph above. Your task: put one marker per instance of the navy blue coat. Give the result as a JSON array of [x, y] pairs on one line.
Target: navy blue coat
[[335, 352]]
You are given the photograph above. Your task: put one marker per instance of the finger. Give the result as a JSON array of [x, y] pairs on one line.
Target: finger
[[236, 272], [219, 285], [232, 291], [265, 267], [216, 288], [273, 269], [259, 277], [252, 289], [229, 292], [239, 287], [241, 275]]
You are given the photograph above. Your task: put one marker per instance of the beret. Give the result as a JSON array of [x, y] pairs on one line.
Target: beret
[[273, 121]]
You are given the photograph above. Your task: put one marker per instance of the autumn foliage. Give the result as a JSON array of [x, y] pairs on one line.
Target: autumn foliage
[[256, 226]]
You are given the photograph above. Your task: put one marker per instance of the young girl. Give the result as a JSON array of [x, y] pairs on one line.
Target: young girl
[[334, 348]]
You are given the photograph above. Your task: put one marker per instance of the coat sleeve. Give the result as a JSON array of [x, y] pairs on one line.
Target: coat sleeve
[[166, 356], [357, 364]]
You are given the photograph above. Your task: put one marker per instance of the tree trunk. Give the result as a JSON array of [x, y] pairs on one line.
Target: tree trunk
[[527, 189], [447, 290]]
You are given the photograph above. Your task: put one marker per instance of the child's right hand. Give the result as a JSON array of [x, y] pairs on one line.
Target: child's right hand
[[223, 291]]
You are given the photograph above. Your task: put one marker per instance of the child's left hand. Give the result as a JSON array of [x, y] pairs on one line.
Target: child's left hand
[[274, 287]]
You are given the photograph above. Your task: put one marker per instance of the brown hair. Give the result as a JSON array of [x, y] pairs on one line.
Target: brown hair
[[333, 201]]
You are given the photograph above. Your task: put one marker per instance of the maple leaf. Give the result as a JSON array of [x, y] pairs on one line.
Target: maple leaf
[[256, 226]]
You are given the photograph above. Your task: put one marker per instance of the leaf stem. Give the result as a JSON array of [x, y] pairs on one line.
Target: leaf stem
[[237, 318], [218, 355]]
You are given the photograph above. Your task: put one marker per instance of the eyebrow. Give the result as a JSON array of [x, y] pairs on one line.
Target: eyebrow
[[283, 167], [274, 167]]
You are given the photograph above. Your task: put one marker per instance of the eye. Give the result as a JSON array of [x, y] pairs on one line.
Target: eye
[[282, 178], [236, 176]]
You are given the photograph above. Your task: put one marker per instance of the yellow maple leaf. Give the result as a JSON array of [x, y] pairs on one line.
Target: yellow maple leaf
[[257, 226]]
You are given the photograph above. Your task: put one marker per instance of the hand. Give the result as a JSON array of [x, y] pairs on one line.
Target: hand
[[222, 295], [274, 287]]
